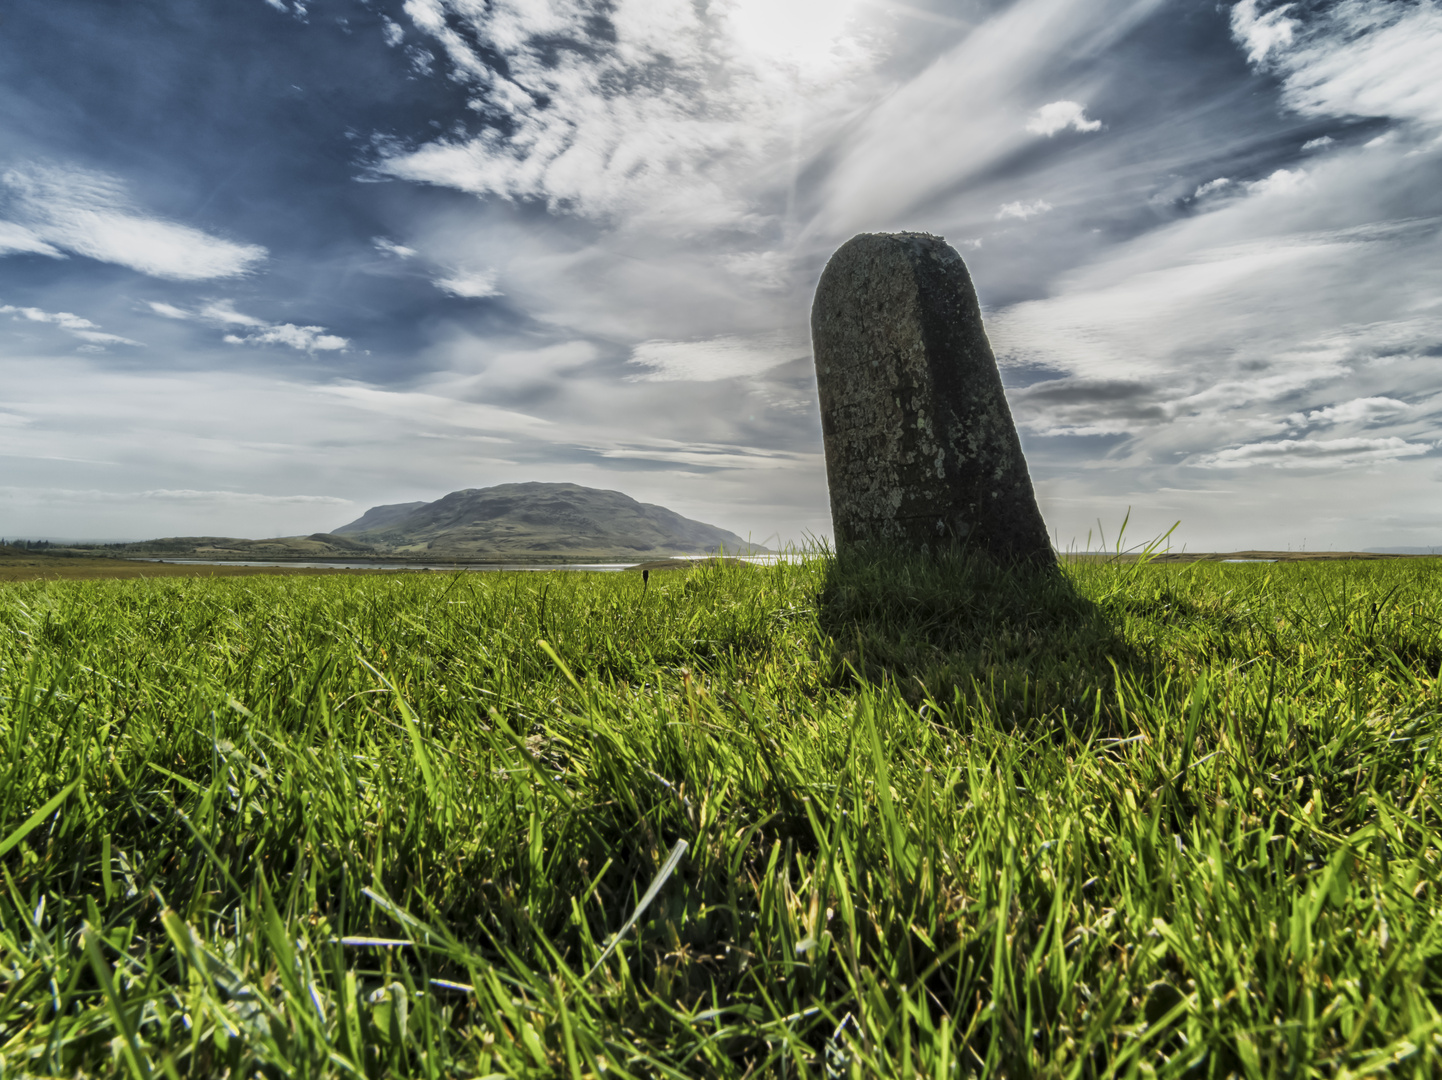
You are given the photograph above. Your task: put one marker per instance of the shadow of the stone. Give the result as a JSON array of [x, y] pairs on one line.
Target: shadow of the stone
[[958, 628]]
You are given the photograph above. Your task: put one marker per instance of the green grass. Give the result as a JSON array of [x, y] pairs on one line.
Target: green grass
[[922, 820]]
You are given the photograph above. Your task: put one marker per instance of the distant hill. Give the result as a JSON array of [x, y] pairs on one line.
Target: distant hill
[[511, 522], [560, 519], [378, 517]]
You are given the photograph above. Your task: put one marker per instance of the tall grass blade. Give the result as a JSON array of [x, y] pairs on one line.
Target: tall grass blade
[[668, 867]]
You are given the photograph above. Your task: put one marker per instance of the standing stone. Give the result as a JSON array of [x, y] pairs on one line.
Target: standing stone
[[921, 450]]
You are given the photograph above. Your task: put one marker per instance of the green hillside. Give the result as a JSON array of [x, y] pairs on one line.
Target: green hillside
[[509, 522]]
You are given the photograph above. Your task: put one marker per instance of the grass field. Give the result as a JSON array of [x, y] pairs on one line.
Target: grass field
[[873, 819]]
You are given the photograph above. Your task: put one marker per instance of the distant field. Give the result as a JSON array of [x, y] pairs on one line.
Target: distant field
[[24, 566], [902, 819], [16, 565], [1234, 556]]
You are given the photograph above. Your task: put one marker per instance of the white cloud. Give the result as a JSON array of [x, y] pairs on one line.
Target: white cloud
[[1212, 186], [96, 337], [430, 413], [477, 369], [188, 495], [1314, 453], [1357, 411], [305, 338], [84, 329], [682, 118], [89, 213], [62, 319], [1355, 58], [1319, 143], [1022, 210], [1261, 34], [764, 269], [18, 240], [1280, 182], [222, 313], [713, 359], [1300, 302], [297, 8], [394, 35], [392, 248], [707, 456], [171, 495], [1060, 115], [470, 284]]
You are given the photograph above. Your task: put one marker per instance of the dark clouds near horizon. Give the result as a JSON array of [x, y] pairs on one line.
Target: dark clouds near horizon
[[264, 264]]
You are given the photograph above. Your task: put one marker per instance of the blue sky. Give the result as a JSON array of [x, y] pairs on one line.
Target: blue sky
[[266, 263]]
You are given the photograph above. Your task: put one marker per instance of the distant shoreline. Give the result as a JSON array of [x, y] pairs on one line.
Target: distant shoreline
[[1241, 556]]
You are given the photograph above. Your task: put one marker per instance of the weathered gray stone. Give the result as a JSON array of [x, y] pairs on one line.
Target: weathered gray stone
[[921, 450]]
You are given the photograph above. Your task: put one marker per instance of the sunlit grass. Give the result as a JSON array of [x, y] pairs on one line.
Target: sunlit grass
[[927, 820]]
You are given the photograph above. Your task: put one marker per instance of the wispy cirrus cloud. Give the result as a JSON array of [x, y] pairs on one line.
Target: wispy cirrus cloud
[[1315, 453], [1365, 411], [16, 239], [84, 329], [171, 495], [1262, 32], [677, 115], [249, 330], [712, 359], [390, 247], [1189, 270], [980, 92], [304, 338], [1237, 336], [465, 282], [296, 7], [1355, 58], [468, 284], [52, 209]]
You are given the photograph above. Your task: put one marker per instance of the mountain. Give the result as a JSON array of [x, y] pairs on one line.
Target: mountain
[[540, 518], [378, 517]]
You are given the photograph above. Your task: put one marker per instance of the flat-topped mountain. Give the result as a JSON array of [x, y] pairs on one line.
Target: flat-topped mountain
[[510, 522], [544, 518]]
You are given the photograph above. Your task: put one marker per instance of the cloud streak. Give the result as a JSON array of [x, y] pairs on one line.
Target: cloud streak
[[469, 284], [728, 357], [53, 208], [1355, 58], [672, 120], [84, 329], [1315, 453], [254, 331]]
